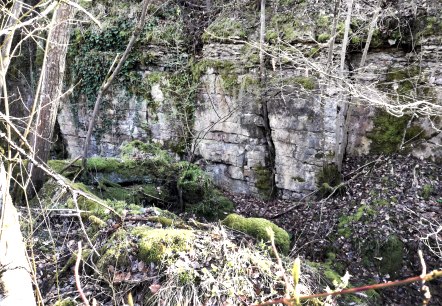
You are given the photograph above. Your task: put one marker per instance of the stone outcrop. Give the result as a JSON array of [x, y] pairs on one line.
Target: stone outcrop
[[211, 107]]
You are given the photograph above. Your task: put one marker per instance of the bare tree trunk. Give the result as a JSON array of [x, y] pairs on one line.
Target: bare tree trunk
[[15, 279], [345, 39], [333, 35], [5, 46], [106, 84], [5, 60], [370, 35], [265, 111], [341, 131], [51, 82], [351, 107]]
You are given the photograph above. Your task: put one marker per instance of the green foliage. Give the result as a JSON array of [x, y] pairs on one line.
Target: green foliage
[[144, 150], [256, 227], [328, 179], [136, 194], [306, 82], [115, 252], [429, 25], [392, 252], [404, 78], [284, 26], [66, 302]]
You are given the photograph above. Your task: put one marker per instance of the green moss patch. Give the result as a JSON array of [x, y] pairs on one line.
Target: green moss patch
[[225, 69], [427, 191], [392, 252], [214, 207], [194, 182], [285, 27], [264, 182], [388, 133], [327, 179], [66, 302], [154, 244], [256, 227], [363, 212]]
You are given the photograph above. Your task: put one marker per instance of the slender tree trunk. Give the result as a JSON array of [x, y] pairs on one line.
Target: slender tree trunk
[[345, 39], [265, 111], [370, 35], [333, 35], [107, 83], [351, 107], [341, 133], [5, 46], [5, 60], [51, 82]]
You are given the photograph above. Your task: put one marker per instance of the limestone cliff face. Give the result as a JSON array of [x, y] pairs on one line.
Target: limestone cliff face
[[209, 105]]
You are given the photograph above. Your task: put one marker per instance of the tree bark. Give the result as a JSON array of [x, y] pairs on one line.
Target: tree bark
[[51, 82], [341, 132], [15, 280], [265, 111], [107, 83], [333, 35]]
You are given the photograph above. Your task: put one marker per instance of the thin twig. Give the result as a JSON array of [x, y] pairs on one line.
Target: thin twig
[[77, 276], [427, 277]]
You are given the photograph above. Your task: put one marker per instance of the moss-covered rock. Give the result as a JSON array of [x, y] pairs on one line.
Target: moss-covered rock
[[194, 183], [256, 227], [146, 194], [155, 243], [226, 70], [389, 132]]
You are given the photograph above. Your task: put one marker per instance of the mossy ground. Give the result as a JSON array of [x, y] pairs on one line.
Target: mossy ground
[[115, 251], [256, 227], [363, 213]]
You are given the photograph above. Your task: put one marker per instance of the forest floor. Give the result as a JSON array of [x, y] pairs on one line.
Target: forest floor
[[373, 228], [397, 196]]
